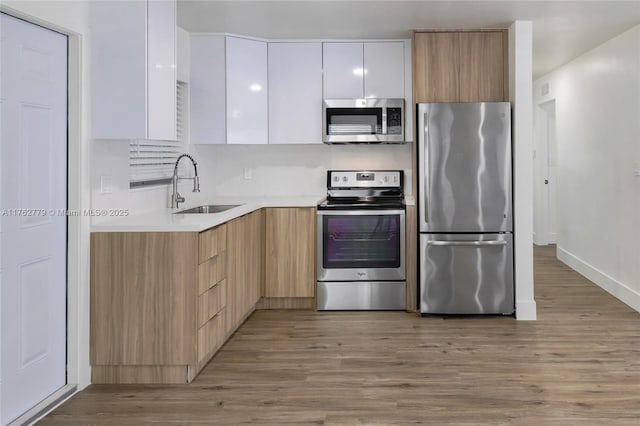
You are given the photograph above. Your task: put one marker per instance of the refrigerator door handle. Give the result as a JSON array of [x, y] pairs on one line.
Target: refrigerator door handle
[[424, 178], [468, 243]]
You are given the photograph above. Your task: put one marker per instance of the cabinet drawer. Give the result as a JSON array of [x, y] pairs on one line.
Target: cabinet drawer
[[211, 243], [212, 272], [211, 302], [210, 336]]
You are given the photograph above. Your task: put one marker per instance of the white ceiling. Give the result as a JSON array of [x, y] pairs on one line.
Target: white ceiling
[[562, 30]]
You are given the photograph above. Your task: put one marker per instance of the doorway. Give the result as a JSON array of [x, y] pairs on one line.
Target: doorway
[[33, 223], [551, 182], [547, 174]]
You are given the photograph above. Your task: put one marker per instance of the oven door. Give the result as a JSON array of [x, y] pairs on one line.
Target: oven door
[[361, 245]]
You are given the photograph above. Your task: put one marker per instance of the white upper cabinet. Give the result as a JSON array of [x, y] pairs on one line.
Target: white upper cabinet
[[295, 93], [161, 70], [369, 70], [133, 69], [246, 91], [384, 69], [228, 96], [207, 94], [343, 70]]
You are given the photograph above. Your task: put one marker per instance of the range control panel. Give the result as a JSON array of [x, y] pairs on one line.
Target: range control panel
[[364, 178]]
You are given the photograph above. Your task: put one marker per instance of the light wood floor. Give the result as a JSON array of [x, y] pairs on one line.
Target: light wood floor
[[579, 364]]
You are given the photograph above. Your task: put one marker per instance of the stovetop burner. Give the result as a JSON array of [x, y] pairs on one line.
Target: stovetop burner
[[364, 190]]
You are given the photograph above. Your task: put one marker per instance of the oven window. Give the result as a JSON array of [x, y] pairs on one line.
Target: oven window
[[353, 241], [354, 121]]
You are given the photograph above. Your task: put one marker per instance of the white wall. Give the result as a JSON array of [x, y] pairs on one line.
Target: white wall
[[110, 158], [598, 135], [70, 17], [520, 76]]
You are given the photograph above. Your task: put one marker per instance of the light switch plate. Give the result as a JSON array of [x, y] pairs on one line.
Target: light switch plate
[[106, 184], [248, 173], [636, 168]]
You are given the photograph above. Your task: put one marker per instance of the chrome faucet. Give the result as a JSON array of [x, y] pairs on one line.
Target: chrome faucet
[[176, 198]]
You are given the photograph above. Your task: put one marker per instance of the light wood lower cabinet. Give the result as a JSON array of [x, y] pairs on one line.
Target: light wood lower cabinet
[[290, 252], [245, 265], [163, 303], [212, 286], [157, 304]]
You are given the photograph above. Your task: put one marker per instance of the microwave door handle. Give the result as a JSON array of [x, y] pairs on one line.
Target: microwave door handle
[[384, 121], [468, 243]]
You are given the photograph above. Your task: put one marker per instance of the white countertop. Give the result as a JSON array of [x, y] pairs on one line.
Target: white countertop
[[166, 221]]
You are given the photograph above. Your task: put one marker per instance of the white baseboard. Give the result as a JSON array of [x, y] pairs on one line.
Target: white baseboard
[[526, 310], [611, 285]]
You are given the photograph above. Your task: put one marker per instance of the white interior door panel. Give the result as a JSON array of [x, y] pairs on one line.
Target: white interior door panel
[[33, 253]]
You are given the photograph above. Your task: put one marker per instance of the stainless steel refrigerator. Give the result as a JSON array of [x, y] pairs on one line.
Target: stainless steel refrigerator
[[465, 208]]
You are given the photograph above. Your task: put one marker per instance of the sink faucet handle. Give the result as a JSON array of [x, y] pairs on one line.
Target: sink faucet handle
[[176, 199]]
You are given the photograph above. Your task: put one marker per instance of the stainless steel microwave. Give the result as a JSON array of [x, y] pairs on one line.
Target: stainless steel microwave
[[363, 121]]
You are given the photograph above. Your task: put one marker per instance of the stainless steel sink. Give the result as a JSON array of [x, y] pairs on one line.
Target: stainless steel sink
[[213, 208]]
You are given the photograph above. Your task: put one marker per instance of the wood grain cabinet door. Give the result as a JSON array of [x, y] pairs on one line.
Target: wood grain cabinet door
[[143, 298], [465, 66], [290, 252], [436, 67], [256, 248], [245, 244], [235, 271], [482, 66]]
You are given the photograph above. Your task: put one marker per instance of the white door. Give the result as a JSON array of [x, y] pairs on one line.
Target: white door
[[33, 103], [552, 162]]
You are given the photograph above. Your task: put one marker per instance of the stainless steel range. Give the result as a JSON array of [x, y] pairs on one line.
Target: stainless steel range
[[361, 241]]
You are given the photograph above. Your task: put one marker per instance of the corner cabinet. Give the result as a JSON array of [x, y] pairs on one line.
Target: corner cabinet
[[468, 66], [228, 95], [295, 93], [245, 266], [133, 69]]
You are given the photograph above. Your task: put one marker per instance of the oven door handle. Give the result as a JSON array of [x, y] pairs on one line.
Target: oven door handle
[[360, 212], [468, 243], [361, 239]]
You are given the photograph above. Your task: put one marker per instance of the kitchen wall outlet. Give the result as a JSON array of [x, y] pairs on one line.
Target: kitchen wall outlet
[[106, 184], [248, 173]]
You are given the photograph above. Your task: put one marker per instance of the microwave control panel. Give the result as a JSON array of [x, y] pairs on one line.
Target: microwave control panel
[[394, 121]]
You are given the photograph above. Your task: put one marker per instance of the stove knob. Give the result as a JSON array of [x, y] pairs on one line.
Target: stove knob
[[386, 179], [336, 178], [344, 178]]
